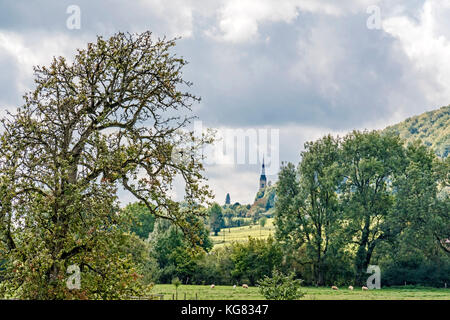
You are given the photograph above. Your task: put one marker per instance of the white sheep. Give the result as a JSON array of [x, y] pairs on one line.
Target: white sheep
[[350, 288], [212, 286], [245, 286], [364, 288], [334, 288]]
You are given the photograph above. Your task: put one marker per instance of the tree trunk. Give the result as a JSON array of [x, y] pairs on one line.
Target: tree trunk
[[361, 262]]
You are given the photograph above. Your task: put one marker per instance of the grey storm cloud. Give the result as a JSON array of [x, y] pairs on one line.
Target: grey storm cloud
[[305, 67]]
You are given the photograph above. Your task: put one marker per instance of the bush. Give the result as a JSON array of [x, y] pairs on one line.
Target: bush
[[280, 287], [255, 259]]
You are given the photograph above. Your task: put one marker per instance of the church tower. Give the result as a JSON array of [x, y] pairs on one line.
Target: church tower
[[262, 178]]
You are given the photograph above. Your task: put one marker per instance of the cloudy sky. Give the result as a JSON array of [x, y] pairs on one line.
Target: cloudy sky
[[302, 68]]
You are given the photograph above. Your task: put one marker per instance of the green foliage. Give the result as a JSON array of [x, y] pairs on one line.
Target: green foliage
[[176, 282], [110, 118], [280, 287], [419, 254], [307, 208], [264, 201], [216, 267], [174, 254], [262, 221], [142, 220], [238, 263], [216, 221], [254, 259], [420, 213], [370, 162], [365, 197], [433, 128], [408, 264], [227, 199]]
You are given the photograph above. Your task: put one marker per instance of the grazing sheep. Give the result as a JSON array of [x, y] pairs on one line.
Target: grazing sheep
[[364, 288], [350, 288], [234, 287], [334, 288], [245, 286], [212, 286]]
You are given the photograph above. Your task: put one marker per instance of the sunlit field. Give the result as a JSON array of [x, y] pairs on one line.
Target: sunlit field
[[192, 292], [241, 234]]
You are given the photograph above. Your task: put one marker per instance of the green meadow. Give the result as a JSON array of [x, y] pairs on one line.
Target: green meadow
[[241, 234], [191, 292]]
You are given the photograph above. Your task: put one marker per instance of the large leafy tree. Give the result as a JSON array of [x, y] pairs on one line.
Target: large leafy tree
[[174, 254], [420, 253], [255, 259], [110, 118], [442, 223], [422, 203], [370, 162], [216, 221], [307, 208], [142, 221]]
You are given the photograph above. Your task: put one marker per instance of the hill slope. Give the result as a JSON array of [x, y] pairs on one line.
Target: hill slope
[[432, 127], [264, 201]]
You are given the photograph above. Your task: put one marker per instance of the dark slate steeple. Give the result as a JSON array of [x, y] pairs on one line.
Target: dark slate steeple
[[262, 178]]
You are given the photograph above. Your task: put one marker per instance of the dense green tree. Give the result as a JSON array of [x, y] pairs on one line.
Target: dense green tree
[[254, 259], [215, 267], [110, 118], [262, 221], [174, 254], [369, 162], [307, 207], [419, 254], [228, 199], [280, 287], [142, 220], [417, 207], [216, 221]]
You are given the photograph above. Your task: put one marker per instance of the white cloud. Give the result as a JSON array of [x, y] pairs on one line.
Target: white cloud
[[177, 13], [239, 20], [316, 67], [242, 185], [427, 48], [26, 51]]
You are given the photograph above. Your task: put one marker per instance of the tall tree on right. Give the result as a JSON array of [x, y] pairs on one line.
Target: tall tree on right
[[422, 200], [370, 162]]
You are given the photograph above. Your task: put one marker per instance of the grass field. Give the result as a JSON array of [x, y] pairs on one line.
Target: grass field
[[241, 234], [252, 293]]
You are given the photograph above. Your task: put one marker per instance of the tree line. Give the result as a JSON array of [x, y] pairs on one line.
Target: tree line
[[366, 199]]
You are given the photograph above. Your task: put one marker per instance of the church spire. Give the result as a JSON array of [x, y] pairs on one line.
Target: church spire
[[263, 173], [262, 178]]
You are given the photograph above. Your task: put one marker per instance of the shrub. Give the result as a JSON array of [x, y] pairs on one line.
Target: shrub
[[280, 287]]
